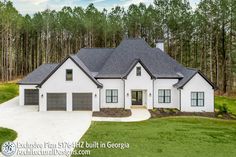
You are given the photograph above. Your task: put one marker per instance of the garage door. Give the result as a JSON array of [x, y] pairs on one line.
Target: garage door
[[82, 101], [31, 97], [56, 101]]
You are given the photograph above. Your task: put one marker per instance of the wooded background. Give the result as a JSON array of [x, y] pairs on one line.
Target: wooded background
[[202, 38]]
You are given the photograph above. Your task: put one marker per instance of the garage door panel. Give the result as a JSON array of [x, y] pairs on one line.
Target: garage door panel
[[82, 101], [31, 97], [56, 101]]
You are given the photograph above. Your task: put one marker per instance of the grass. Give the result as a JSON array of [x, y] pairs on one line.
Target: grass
[[8, 91], [230, 103], [165, 137], [6, 135]]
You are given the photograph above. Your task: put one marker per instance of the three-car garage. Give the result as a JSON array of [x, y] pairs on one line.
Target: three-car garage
[[58, 101]]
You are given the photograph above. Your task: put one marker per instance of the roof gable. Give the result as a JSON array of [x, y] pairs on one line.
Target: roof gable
[[190, 73], [135, 62], [79, 63]]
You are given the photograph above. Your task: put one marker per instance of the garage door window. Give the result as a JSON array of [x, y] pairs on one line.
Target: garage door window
[[112, 96], [69, 74]]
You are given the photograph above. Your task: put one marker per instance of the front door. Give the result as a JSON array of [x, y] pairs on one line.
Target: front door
[[137, 97]]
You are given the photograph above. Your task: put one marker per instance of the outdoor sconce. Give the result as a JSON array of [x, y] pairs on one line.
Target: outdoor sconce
[[127, 94], [41, 95], [150, 94], [95, 95]]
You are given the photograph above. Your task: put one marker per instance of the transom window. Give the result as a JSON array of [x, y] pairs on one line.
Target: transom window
[[69, 74], [112, 96], [138, 71], [197, 98], [164, 96]]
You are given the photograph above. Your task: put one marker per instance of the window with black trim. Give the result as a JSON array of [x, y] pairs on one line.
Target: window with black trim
[[164, 95], [138, 71], [197, 98], [69, 74], [112, 95]]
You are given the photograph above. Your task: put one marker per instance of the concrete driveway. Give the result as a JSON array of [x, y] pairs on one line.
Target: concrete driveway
[[40, 127]]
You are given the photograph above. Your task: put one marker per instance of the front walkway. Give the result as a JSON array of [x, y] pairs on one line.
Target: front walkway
[[138, 114]]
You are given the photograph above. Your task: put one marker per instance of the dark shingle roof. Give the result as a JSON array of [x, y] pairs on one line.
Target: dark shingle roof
[[159, 63], [117, 63], [39, 74], [94, 58]]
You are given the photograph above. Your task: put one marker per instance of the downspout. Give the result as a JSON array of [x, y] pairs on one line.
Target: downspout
[[153, 95], [124, 91], [100, 98], [180, 99]]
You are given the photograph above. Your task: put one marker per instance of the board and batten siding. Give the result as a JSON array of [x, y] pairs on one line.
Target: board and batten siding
[[197, 84], [80, 83]]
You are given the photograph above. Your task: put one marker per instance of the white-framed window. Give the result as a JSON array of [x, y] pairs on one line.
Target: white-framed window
[[69, 74], [197, 99], [112, 96], [164, 95], [138, 71]]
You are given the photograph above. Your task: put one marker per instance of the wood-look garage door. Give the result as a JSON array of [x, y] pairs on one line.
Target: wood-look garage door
[[31, 97], [82, 101], [56, 101]]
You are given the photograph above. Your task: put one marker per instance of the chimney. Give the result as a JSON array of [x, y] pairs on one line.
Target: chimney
[[160, 44]]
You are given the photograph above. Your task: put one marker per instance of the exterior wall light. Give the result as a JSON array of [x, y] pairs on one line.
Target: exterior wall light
[[41, 95], [150, 94], [127, 94], [95, 95]]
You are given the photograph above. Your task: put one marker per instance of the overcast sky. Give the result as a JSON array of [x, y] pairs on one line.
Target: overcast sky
[[32, 6]]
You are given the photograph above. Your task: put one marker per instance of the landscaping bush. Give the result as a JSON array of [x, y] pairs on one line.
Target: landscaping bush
[[223, 109]]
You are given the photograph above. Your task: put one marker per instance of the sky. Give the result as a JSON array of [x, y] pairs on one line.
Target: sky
[[33, 6]]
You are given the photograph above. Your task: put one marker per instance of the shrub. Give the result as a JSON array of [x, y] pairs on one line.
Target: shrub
[[223, 109]]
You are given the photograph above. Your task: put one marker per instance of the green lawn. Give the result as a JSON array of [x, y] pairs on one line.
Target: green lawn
[[8, 91], [230, 103], [6, 135], [166, 137]]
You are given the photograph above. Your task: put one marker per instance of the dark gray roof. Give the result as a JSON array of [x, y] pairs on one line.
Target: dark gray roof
[[94, 58], [39, 74], [85, 69], [189, 73], [118, 62], [159, 63]]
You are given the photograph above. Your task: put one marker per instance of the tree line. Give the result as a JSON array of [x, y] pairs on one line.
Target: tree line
[[202, 38]]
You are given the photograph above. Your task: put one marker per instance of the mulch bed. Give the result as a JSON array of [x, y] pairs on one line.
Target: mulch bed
[[112, 112], [160, 112]]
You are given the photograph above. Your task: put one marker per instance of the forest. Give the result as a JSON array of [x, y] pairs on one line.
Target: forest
[[202, 38]]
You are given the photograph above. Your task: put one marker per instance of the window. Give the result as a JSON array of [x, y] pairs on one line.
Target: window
[[112, 96], [69, 74], [197, 98], [138, 71], [164, 96]]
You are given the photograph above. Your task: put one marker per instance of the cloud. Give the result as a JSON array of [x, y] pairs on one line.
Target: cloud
[[36, 2]]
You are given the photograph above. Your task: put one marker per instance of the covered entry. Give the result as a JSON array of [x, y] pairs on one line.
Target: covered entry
[[31, 97], [56, 101], [82, 101], [137, 98]]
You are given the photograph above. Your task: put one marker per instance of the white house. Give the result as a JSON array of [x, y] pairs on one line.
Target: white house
[[130, 75]]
